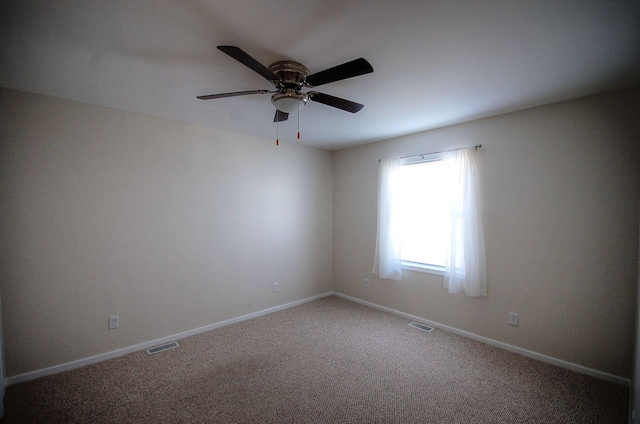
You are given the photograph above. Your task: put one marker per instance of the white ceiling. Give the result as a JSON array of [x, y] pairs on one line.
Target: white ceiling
[[435, 63]]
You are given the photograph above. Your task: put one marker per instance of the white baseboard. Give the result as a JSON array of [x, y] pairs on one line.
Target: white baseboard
[[142, 346], [528, 353]]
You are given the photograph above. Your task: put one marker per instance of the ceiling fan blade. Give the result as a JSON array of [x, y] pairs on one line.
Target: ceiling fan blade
[[235, 93], [340, 72], [280, 116], [242, 57], [337, 102]]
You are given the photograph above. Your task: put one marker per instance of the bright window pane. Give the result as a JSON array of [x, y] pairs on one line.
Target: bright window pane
[[423, 212]]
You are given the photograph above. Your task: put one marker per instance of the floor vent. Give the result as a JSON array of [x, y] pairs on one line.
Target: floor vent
[[162, 348], [421, 327]]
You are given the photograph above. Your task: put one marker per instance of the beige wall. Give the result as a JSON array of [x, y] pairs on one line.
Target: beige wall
[[170, 226], [560, 185]]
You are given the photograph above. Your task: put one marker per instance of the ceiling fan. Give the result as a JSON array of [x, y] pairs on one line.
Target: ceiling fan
[[289, 78]]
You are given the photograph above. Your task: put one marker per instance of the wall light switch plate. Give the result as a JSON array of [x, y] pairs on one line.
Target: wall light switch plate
[[514, 318]]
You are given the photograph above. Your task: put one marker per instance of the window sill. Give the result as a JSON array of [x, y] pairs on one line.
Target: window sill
[[420, 267]]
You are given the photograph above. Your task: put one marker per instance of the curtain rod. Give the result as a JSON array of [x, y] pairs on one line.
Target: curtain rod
[[477, 146]]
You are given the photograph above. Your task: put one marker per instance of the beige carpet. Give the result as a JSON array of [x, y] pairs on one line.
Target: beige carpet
[[328, 361]]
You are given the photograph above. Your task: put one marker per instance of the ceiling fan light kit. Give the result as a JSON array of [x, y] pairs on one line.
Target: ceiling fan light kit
[[289, 100], [291, 77]]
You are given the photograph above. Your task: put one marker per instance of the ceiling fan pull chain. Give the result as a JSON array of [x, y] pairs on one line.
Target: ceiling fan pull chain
[[298, 120], [277, 133]]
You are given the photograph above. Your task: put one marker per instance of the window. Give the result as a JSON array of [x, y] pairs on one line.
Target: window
[[429, 218], [423, 213]]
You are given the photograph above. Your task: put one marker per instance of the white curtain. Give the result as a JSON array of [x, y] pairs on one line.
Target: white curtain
[[387, 258], [465, 267]]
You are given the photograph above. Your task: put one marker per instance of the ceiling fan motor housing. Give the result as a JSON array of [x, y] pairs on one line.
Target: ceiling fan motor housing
[[289, 97], [292, 74]]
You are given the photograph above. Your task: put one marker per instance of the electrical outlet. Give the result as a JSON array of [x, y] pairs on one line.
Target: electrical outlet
[[114, 322], [366, 282], [514, 318], [275, 287]]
